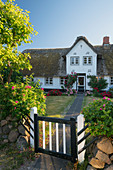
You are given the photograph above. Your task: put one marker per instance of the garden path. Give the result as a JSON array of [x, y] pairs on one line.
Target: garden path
[[76, 106], [46, 162]]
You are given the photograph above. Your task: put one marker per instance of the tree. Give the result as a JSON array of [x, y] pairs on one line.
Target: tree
[[15, 28], [16, 98]]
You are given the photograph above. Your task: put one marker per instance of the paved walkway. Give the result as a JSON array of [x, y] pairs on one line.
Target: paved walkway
[[46, 162], [75, 107]]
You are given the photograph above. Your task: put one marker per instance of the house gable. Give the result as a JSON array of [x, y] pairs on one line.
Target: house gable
[[81, 50]]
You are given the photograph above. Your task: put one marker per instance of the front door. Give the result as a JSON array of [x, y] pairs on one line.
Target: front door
[[81, 84]]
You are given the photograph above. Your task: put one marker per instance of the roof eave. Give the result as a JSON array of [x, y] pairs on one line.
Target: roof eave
[[85, 40]]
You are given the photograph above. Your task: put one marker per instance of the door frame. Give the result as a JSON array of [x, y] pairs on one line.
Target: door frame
[[81, 85]]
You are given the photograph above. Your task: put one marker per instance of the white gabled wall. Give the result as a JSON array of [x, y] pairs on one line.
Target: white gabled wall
[[56, 83], [82, 49], [108, 81]]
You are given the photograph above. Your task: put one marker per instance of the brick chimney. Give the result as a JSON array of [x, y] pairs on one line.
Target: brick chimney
[[106, 40]]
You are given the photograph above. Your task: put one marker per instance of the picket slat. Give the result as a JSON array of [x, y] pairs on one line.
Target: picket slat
[[43, 134], [64, 139], [57, 138], [50, 137]]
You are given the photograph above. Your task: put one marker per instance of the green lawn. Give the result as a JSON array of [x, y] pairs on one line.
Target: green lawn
[[57, 106]]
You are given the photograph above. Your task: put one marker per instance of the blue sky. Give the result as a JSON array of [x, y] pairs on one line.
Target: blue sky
[[59, 22]]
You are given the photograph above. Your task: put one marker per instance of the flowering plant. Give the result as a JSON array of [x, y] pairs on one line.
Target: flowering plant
[[71, 92], [88, 93], [18, 98], [96, 89], [97, 84], [54, 93], [70, 80], [111, 92], [107, 94], [99, 115]]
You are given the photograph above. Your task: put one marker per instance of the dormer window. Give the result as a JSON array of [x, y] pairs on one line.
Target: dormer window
[[87, 60], [74, 60]]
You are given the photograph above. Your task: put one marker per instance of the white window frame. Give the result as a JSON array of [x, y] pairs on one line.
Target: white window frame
[[75, 60], [111, 80], [48, 81], [61, 80], [88, 62]]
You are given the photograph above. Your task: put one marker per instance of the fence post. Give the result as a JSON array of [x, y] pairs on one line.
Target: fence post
[[80, 125], [73, 140], [32, 112], [36, 133]]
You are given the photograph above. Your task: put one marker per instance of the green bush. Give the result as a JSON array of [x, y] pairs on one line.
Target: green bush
[[54, 93], [111, 92], [97, 84], [18, 98], [99, 114], [70, 79]]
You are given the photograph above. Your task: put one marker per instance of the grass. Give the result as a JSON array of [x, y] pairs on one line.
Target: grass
[[87, 100], [12, 158], [57, 106]]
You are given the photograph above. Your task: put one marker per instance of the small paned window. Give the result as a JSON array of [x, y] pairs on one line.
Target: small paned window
[[111, 80], [62, 81], [74, 60], [49, 81], [87, 60]]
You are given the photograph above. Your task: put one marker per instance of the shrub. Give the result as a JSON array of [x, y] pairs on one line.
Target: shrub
[[107, 94], [18, 98], [70, 80], [99, 114], [97, 84], [96, 92], [54, 93], [88, 93], [71, 91], [111, 92]]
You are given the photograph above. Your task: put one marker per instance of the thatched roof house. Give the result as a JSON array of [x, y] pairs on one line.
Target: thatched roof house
[[56, 62]]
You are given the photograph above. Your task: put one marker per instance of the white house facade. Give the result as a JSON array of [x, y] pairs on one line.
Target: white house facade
[[82, 60], [50, 66]]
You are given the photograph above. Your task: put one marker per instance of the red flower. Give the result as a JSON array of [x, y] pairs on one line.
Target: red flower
[[13, 87]]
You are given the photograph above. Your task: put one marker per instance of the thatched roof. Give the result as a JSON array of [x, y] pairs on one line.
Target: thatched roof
[[105, 60], [51, 62], [47, 62]]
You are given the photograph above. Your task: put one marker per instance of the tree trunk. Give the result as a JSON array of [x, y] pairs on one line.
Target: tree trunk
[[9, 76]]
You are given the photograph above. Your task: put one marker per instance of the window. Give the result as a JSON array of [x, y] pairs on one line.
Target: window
[[111, 80], [87, 60], [49, 81], [61, 80], [74, 60]]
